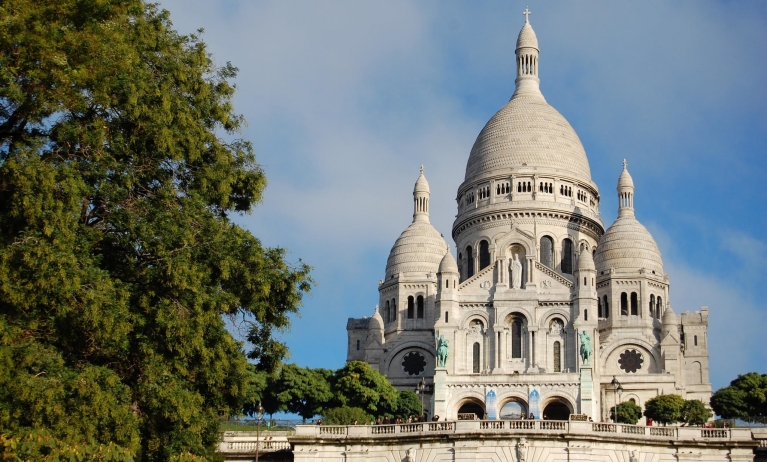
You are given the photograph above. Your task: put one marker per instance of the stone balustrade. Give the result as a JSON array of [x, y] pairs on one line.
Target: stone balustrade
[[522, 427]]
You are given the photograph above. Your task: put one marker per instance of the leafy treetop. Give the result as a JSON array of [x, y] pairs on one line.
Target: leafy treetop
[[118, 258], [745, 397]]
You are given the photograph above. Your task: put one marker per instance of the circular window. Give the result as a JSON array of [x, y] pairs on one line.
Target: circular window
[[413, 363], [631, 360]]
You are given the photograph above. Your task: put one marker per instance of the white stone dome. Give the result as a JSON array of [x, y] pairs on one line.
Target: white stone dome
[[627, 245], [585, 261], [448, 264], [528, 133], [419, 248], [625, 180], [421, 185], [376, 321], [527, 37]]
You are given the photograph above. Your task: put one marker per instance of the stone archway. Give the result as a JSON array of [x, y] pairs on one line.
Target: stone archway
[[556, 409], [471, 406], [515, 408]]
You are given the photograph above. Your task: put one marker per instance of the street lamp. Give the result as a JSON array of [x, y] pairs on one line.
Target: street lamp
[[419, 389], [259, 415], [617, 388]]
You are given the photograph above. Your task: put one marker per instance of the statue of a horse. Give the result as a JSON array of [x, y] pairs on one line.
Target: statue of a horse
[[442, 351]]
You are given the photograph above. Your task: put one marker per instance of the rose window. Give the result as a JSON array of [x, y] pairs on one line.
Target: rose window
[[413, 363], [631, 360]]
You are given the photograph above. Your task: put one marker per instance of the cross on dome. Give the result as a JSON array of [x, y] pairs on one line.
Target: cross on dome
[[421, 169], [527, 14], [625, 164]]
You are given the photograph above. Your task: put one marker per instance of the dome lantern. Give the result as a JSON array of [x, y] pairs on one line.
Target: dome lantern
[[527, 59], [625, 193], [421, 195]]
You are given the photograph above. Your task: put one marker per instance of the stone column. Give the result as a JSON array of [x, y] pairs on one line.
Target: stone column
[[586, 399], [439, 398]]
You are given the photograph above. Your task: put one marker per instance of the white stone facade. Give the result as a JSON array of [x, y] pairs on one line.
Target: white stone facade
[[535, 267]]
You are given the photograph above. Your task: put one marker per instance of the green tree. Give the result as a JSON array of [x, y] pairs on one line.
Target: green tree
[[694, 412], [346, 415], [627, 413], [304, 391], [357, 384], [745, 397], [664, 409], [408, 404], [118, 256]]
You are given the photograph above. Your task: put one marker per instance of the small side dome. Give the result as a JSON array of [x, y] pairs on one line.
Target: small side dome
[[376, 321], [585, 261], [448, 264], [669, 317], [419, 248], [627, 245]]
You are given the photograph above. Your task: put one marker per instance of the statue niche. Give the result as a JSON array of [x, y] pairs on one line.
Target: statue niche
[[517, 267]]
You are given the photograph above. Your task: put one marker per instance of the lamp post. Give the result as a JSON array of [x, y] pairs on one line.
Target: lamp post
[[617, 388], [259, 415], [419, 389]]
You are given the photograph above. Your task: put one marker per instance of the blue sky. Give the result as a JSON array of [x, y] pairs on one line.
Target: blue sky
[[345, 100]]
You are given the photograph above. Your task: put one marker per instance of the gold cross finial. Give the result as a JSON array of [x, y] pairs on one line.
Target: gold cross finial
[[527, 14]]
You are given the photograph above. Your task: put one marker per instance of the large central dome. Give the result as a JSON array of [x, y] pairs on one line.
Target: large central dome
[[528, 133]]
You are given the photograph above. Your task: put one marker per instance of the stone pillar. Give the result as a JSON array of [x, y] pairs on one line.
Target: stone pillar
[[586, 401], [439, 404]]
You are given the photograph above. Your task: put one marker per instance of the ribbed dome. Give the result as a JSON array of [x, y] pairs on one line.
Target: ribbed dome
[[627, 245], [419, 248], [448, 264], [625, 180], [528, 133], [585, 261], [376, 321], [527, 37], [421, 185]]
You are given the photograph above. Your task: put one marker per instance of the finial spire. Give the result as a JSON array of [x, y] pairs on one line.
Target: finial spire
[[422, 169], [625, 164], [625, 192], [527, 14], [421, 195]]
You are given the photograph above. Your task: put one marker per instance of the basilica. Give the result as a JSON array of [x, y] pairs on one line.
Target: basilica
[[542, 311]]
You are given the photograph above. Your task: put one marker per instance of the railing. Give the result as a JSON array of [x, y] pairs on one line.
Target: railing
[[410, 428], [663, 431], [331, 430], [383, 429], [553, 425], [714, 433], [604, 428], [521, 424], [633, 429], [492, 425], [441, 426], [250, 446]]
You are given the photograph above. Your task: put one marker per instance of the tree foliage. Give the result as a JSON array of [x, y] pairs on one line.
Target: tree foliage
[[304, 391], [118, 257], [745, 397], [694, 412], [408, 404], [627, 413], [664, 409], [357, 384], [346, 415]]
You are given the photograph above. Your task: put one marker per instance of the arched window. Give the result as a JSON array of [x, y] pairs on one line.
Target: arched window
[[567, 256], [607, 307], [516, 339], [634, 304], [659, 307], [460, 265], [445, 317], [600, 313], [410, 307], [469, 262], [547, 251], [358, 344], [484, 255], [652, 305], [387, 315], [447, 283], [624, 304], [475, 358], [419, 306], [585, 315], [393, 310], [557, 357], [695, 340]]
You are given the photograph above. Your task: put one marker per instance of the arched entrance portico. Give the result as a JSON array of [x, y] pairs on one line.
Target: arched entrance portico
[[557, 409]]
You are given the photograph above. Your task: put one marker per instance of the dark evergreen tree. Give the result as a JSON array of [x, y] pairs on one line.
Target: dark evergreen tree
[[118, 258]]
